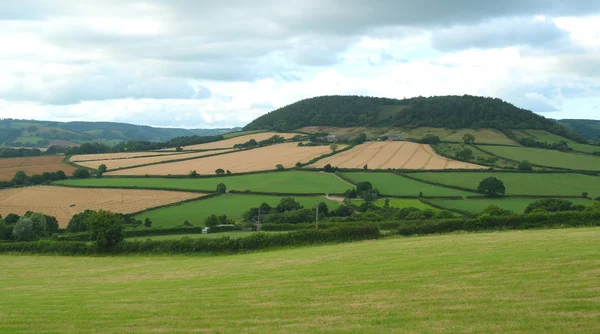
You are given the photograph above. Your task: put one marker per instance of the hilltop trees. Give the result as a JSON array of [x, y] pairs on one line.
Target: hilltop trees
[[492, 187]]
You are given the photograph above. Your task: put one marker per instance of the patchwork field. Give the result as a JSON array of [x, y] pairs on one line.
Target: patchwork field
[[228, 143], [479, 157], [114, 156], [32, 165], [263, 158], [551, 184], [516, 205], [122, 163], [542, 281], [548, 158], [232, 205], [57, 201], [281, 182], [545, 136], [392, 154], [240, 133], [405, 203]]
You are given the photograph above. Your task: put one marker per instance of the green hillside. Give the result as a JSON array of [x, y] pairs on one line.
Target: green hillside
[[587, 128]]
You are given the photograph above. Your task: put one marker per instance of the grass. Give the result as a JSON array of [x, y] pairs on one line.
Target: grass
[[405, 203], [517, 282], [282, 182], [231, 234], [479, 157], [516, 205], [233, 205], [548, 158], [535, 184], [240, 133], [545, 136], [394, 184]]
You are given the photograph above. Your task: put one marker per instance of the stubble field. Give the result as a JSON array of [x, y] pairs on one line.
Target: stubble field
[[228, 143], [32, 165], [112, 156]]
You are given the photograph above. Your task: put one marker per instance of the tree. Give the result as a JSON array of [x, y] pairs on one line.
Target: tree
[[298, 164], [430, 139], [465, 154], [361, 138], [37, 179], [525, 165], [30, 227], [333, 147], [584, 194], [342, 211], [288, 204], [228, 172], [178, 149], [20, 178], [102, 168], [211, 221], [51, 224], [323, 209], [328, 168], [147, 222], [193, 174], [219, 171], [11, 218], [79, 222], [468, 138], [106, 229], [551, 205], [491, 186], [221, 188], [495, 210], [81, 173], [365, 167], [279, 167], [60, 175], [363, 186]]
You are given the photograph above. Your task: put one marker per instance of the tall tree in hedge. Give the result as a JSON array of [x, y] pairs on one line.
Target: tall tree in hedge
[[211, 221], [30, 227], [20, 178], [288, 204], [468, 138], [551, 205], [219, 171], [465, 154], [101, 170], [79, 222], [221, 188], [51, 224], [525, 165], [81, 173], [333, 147], [11, 218], [492, 187], [106, 229]]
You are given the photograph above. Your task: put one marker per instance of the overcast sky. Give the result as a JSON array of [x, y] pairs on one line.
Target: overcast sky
[[222, 63]]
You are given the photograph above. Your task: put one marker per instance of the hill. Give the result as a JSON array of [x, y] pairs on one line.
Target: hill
[[31, 133], [452, 112], [587, 128]]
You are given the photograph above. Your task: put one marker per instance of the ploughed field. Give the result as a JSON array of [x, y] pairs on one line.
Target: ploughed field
[[64, 202], [32, 165], [392, 154], [259, 159], [514, 282], [228, 143]]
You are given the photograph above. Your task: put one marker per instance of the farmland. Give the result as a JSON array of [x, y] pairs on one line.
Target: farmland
[[63, 202], [392, 154], [240, 133], [263, 158], [544, 136], [540, 184], [548, 158], [393, 184], [405, 203], [516, 205], [478, 156], [518, 282], [228, 143], [282, 182], [32, 165], [122, 163], [121, 155], [232, 205], [230, 234]]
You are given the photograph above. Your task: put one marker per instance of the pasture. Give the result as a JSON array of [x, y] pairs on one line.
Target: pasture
[[281, 182], [232, 205], [405, 203], [63, 202], [394, 184], [515, 282], [540, 184], [228, 143], [33, 165], [548, 158], [392, 154], [545, 136], [230, 234], [259, 159], [516, 205]]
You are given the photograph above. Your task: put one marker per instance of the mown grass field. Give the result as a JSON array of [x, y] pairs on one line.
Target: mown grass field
[[551, 184], [283, 182], [231, 234], [232, 205], [517, 282], [405, 203], [516, 205], [548, 158], [393, 184]]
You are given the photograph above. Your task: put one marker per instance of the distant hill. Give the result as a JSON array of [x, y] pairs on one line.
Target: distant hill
[[452, 112], [587, 128], [31, 133]]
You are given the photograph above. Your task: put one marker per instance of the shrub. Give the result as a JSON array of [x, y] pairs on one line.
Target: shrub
[[102, 168], [494, 210], [193, 174], [279, 167], [525, 165], [550, 205], [81, 173], [221, 188], [147, 222], [219, 171], [584, 194]]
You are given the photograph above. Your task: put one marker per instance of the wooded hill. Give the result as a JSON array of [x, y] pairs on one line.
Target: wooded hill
[[587, 128], [439, 111]]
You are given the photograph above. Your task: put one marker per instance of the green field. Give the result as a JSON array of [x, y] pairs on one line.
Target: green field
[[548, 158], [405, 203], [233, 205], [240, 133], [516, 205], [515, 282], [479, 157], [545, 136], [283, 182], [231, 234], [535, 184], [393, 184]]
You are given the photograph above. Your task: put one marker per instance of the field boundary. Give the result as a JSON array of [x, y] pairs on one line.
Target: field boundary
[[461, 212], [136, 188], [269, 193], [326, 155], [437, 184]]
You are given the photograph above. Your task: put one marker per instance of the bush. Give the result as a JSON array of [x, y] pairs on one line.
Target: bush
[[550, 205], [221, 188], [584, 194], [193, 174], [279, 167], [81, 173], [525, 165], [219, 171], [106, 229]]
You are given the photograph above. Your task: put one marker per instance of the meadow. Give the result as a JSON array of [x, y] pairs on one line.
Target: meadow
[[394, 184], [294, 182], [540, 184], [405, 203], [548, 158], [516, 205], [232, 205], [544, 136], [517, 281]]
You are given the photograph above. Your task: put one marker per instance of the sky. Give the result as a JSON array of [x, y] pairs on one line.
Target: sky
[[210, 64]]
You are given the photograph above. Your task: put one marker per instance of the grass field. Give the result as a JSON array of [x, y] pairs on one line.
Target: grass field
[[552, 184], [516, 205], [545, 136], [535, 281], [479, 157], [548, 158], [405, 203], [283, 182], [233, 205], [393, 184], [231, 234]]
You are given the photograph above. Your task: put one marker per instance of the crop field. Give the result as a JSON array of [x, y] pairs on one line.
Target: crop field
[[536, 184], [32, 165], [122, 163], [548, 158], [228, 143], [281, 182], [393, 184], [63, 202], [232, 205], [240, 133], [113, 156], [259, 159], [516, 205], [405, 203], [392, 154], [538, 281]]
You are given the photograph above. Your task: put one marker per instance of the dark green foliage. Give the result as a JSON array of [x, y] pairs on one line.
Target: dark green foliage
[[193, 174], [213, 221], [329, 169], [429, 139], [148, 222], [295, 216], [494, 210], [106, 229], [280, 167], [11, 218], [560, 146], [81, 173], [288, 204], [79, 222], [492, 187], [220, 171], [587, 128], [323, 209], [584, 194], [465, 154], [30, 227], [18, 152], [178, 149], [20, 178], [102, 168], [51, 224], [363, 186], [221, 188], [525, 165], [468, 138], [552, 205], [359, 139]]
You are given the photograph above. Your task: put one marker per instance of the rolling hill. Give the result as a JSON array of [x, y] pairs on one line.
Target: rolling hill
[[587, 128]]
